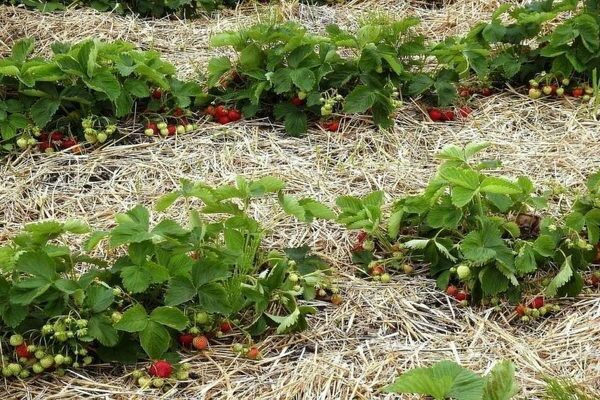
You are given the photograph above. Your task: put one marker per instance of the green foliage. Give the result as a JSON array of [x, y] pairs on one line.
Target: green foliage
[[564, 389], [149, 8], [88, 78], [447, 379], [276, 63], [167, 274], [490, 224]]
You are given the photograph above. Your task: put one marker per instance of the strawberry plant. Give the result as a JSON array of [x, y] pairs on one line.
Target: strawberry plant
[[150, 8], [285, 72], [447, 379], [191, 283], [91, 79], [484, 235]]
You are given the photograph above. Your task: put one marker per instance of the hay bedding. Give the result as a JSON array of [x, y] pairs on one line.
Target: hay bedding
[[381, 330]]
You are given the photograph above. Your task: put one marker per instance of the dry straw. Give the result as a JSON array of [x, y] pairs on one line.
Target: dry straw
[[352, 350]]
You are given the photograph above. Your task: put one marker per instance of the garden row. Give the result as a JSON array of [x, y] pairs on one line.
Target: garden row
[[481, 236], [286, 73], [145, 8]]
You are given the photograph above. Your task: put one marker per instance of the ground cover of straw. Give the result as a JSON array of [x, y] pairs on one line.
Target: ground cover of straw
[[352, 350]]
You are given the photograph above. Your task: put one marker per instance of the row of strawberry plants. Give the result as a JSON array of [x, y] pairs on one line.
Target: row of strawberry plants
[[82, 90], [145, 8], [282, 71], [484, 238], [194, 284]]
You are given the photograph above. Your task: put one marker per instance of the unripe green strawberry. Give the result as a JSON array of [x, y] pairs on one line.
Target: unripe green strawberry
[[186, 366], [368, 245], [533, 83], [90, 138], [385, 278], [586, 97], [560, 91], [556, 308], [535, 93], [566, 82], [37, 368], [407, 268], [294, 277], [59, 359], [6, 372], [68, 360], [535, 313], [24, 374], [543, 310], [189, 128], [589, 90], [22, 142], [302, 95], [182, 375], [524, 318], [463, 272], [547, 90], [117, 291], [180, 129], [60, 372], [297, 288], [39, 354], [47, 362], [16, 340], [158, 382], [31, 142], [161, 125], [116, 317], [76, 365], [149, 132], [238, 347], [164, 131], [61, 336], [137, 374], [144, 381], [194, 330], [202, 318], [110, 129], [101, 137], [14, 368], [87, 360]]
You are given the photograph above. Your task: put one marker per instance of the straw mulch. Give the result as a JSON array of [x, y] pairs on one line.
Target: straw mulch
[[352, 350]]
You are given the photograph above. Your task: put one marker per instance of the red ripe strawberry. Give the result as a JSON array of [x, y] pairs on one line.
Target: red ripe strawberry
[[68, 143], [21, 351], [464, 111], [297, 101], [200, 342], [596, 279], [43, 146], [225, 327], [464, 92], [223, 120], [210, 110], [161, 369], [451, 290], [435, 114], [185, 339], [449, 115], [56, 136], [520, 310], [554, 86], [152, 125], [357, 247], [537, 302], [172, 129], [378, 270], [333, 126], [178, 112], [461, 295], [577, 92], [156, 94], [253, 353], [486, 91], [43, 137], [221, 111], [234, 115], [362, 236]]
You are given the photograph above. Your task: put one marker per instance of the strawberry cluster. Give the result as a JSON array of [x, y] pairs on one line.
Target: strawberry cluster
[[445, 115], [49, 142], [331, 126], [223, 115]]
